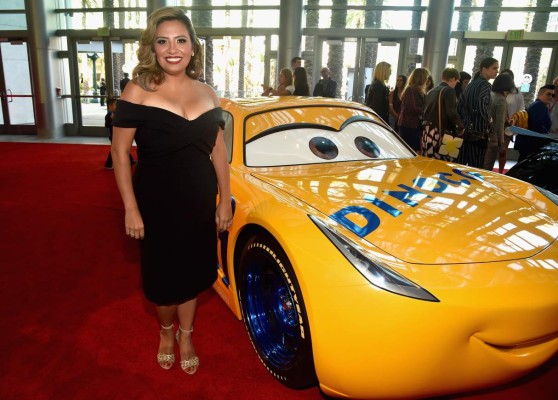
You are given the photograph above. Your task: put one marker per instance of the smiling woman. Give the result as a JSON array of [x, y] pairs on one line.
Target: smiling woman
[[175, 120]]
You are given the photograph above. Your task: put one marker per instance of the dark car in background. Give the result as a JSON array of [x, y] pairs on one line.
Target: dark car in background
[[540, 168]]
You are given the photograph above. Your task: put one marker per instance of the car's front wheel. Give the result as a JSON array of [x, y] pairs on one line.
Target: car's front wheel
[[274, 313]]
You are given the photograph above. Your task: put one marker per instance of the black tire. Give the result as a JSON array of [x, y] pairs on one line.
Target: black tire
[[269, 294]]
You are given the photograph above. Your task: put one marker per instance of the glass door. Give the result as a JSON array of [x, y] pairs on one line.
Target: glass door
[[97, 68], [347, 60], [17, 113], [238, 65]]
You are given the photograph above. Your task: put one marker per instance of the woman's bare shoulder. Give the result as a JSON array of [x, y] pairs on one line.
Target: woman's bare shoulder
[[207, 90], [133, 93]]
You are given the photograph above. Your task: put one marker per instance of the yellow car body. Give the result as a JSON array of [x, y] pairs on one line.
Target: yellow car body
[[455, 282]]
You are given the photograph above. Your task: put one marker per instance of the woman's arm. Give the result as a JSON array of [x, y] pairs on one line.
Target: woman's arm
[[391, 109], [121, 145], [219, 158]]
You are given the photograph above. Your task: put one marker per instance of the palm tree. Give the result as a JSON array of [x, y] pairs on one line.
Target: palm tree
[[336, 51], [413, 43], [203, 18], [489, 22], [533, 57], [464, 16], [372, 20], [312, 21], [242, 51]]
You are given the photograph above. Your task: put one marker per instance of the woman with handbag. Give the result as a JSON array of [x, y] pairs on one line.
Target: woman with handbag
[[501, 87], [474, 108], [440, 118]]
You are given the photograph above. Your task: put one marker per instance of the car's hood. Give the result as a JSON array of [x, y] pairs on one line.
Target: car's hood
[[421, 211]]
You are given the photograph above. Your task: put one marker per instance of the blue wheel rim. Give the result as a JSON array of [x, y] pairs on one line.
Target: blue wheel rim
[[270, 312]]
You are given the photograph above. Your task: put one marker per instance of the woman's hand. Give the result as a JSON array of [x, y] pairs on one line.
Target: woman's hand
[[224, 216], [134, 224]]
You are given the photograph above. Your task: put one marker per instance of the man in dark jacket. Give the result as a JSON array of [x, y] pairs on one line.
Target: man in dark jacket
[[326, 86], [538, 121], [124, 81]]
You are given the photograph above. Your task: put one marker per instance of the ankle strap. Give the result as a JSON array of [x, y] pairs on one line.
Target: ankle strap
[[186, 330], [167, 327]]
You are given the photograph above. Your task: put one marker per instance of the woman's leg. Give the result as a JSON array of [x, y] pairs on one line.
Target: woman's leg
[[186, 314], [166, 316], [503, 155]]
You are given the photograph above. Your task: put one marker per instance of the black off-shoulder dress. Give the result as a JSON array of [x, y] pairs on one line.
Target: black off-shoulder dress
[[176, 187]]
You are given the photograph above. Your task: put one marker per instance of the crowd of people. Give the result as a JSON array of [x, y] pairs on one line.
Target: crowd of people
[[294, 82], [465, 106]]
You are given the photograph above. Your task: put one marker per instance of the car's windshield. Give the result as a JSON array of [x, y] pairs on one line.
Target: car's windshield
[[309, 142]]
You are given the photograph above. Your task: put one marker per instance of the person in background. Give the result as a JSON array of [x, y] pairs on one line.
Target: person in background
[[538, 121], [464, 79], [179, 198], [300, 82], [395, 101], [474, 108], [378, 92], [326, 86], [285, 87], [412, 106], [111, 108], [440, 107], [429, 84], [501, 87], [553, 108], [124, 81], [103, 91], [515, 103], [295, 63]]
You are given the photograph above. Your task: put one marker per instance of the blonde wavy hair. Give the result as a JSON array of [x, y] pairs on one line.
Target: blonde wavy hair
[[417, 80], [382, 72], [148, 71]]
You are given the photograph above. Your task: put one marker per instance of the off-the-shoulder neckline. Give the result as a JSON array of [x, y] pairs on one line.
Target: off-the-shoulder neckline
[[170, 112]]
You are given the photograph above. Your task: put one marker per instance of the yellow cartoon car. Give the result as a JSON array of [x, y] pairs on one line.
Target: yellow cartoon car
[[376, 273]]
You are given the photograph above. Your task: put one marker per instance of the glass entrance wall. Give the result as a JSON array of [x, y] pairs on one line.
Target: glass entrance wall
[[240, 22]]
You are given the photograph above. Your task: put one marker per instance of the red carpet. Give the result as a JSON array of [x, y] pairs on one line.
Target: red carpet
[[74, 322]]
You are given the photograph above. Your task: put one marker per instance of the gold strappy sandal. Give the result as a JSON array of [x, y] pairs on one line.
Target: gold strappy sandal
[[189, 366], [166, 361]]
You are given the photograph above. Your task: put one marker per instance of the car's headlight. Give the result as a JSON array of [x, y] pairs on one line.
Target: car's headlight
[[377, 274]]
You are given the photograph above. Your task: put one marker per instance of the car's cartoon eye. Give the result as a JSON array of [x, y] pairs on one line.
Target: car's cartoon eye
[[367, 147], [323, 147]]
